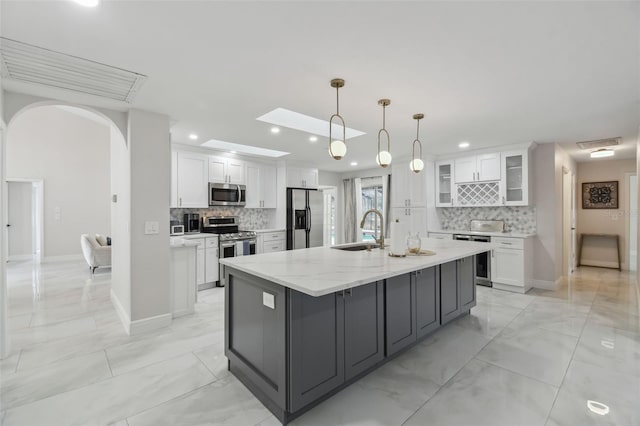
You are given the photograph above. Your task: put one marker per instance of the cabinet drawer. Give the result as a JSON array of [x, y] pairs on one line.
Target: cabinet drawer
[[199, 241], [273, 246], [274, 236], [512, 243], [211, 242]]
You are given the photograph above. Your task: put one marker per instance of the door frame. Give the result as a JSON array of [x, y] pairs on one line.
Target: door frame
[[568, 221], [37, 215], [629, 215]]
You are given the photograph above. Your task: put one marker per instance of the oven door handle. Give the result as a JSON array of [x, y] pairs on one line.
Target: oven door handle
[[227, 245]]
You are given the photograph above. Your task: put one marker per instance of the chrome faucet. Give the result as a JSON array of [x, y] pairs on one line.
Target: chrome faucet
[[381, 240]]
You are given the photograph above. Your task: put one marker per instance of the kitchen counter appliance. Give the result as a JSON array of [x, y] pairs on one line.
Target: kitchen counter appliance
[[483, 262], [231, 242], [227, 194], [304, 218], [191, 223]]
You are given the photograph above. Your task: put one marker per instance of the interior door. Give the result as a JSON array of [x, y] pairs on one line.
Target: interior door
[[315, 225], [20, 219]]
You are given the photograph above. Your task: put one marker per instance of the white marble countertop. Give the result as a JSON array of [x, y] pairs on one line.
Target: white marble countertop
[[262, 231], [492, 234], [323, 270], [176, 242]]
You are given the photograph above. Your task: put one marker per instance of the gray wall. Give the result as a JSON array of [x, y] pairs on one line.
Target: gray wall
[[545, 202]]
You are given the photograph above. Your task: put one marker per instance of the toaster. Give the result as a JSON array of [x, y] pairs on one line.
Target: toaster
[[177, 229]]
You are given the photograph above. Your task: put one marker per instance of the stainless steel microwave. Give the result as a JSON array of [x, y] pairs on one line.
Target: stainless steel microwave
[[227, 194]]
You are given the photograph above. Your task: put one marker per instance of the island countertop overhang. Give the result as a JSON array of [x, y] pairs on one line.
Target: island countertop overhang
[[323, 270]]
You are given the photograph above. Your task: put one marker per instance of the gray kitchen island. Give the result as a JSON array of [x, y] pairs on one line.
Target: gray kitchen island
[[301, 325]]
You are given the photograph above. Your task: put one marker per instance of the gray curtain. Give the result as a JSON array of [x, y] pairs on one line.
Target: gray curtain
[[350, 230], [387, 206]]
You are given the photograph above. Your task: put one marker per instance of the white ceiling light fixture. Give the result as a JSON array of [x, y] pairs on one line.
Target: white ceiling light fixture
[[602, 152], [337, 148], [383, 158], [598, 407], [243, 149], [417, 164], [310, 125], [193, 136], [354, 163], [275, 130], [87, 3], [464, 145], [313, 139]]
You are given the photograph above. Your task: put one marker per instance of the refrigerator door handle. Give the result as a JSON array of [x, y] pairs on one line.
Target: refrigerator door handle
[[308, 218]]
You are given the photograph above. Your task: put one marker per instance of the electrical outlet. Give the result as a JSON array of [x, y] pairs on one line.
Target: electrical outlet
[[151, 227], [57, 213], [268, 300]]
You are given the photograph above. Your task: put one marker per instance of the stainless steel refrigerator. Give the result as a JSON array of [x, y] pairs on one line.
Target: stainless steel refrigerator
[[304, 218]]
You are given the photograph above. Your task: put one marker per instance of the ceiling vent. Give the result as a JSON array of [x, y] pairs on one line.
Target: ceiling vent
[[600, 143], [32, 64]]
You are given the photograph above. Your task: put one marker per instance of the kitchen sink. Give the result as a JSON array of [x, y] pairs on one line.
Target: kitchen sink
[[357, 247]]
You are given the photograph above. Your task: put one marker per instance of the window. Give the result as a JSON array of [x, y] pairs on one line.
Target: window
[[372, 198]]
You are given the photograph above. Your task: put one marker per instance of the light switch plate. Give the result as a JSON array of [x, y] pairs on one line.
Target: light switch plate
[[151, 227], [268, 300]]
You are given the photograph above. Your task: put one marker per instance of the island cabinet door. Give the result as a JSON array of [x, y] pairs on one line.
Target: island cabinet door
[[449, 292], [427, 300], [363, 328], [316, 347], [400, 306], [467, 283]]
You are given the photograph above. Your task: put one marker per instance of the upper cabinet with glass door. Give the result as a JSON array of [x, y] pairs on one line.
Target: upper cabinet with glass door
[[444, 183], [515, 178]]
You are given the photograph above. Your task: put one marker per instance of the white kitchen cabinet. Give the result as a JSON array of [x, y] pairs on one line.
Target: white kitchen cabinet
[[408, 188], [302, 178], [261, 181], [270, 242], [415, 219], [200, 264], [226, 170], [191, 183], [479, 168], [515, 178], [509, 271], [444, 184], [211, 267], [174, 179], [183, 280]]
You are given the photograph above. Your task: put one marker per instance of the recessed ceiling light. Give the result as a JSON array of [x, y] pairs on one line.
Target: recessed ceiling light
[[233, 152], [463, 145], [313, 139], [314, 126], [603, 152], [354, 163], [243, 149], [598, 407], [193, 137], [88, 3], [275, 130]]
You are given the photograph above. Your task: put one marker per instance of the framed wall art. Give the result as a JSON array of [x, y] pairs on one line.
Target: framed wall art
[[600, 195]]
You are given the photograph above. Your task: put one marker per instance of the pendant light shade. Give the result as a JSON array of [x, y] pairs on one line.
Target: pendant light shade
[[416, 164], [383, 158], [338, 147]]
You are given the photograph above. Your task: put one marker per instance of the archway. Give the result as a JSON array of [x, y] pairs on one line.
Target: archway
[[19, 106]]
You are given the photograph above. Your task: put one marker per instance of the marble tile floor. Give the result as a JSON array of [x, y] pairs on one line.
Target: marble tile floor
[[534, 359]]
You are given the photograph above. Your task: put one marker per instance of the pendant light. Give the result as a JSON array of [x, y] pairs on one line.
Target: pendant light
[[417, 164], [337, 148], [384, 157]]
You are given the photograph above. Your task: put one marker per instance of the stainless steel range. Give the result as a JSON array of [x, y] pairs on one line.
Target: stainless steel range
[[483, 261], [232, 242]]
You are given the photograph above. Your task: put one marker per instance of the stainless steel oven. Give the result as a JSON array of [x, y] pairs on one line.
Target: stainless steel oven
[[238, 244], [483, 260], [227, 194]]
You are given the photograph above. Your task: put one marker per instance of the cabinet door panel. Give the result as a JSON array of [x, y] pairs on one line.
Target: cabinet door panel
[[464, 169], [488, 167], [253, 187], [449, 295], [400, 191], [363, 328], [444, 184], [316, 351], [268, 186], [192, 180], [427, 301], [400, 312], [174, 179], [507, 266], [211, 265], [467, 283], [217, 169], [236, 170], [200, 266], [418, 190]]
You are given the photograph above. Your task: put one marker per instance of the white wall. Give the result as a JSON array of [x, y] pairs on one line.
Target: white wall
[[71, 154], [20, 233], [545, 201], [4, 341]]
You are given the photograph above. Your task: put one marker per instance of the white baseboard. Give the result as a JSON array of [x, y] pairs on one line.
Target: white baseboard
[[20, 257], [142, 325], [122, 313], [599, 264], [546, 285], [64, 258]]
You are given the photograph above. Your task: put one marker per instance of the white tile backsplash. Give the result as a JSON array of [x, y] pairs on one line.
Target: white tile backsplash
[[516, 219]]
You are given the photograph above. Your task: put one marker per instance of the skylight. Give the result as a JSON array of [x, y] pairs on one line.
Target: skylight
[[295, 120], [243, 149]]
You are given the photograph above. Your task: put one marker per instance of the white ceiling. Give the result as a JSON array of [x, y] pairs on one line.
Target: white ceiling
[[491, 73]]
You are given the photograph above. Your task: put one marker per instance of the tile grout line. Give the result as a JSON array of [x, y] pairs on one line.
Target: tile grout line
[[184, 395], [571, 360], [108, 362], [15, 370], [205, 365]]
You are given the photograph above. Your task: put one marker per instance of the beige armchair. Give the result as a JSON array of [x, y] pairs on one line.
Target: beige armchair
[[95, 253]]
